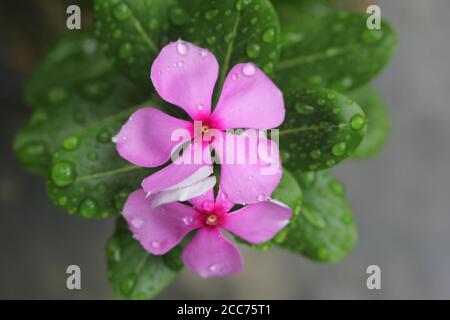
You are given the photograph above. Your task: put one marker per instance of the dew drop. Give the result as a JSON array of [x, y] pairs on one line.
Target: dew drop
[[339, 149], [372, 36], [187, 220], [125, 50], [204, 53], [113, 250], [337, 188], [137, 222], [269, 35], [200, 107], [208, 205], [182, 47], [63, 173], [357, 122], [104, 136], [211, 39], [71, 143], [128, 284], [315, 154], [261, 197], [253, 50], [155, 244], [211, 14], [250, 177], [88, 208], [177, 16], [249, 69], [302, 108], [122, 12], [153, 24], [92, 156], [216, 268]]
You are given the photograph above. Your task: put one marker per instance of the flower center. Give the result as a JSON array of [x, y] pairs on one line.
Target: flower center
[[205, 128], [211, 220]]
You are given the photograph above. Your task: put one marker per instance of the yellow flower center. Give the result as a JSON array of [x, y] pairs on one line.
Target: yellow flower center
[[205, 128], [211, 220]]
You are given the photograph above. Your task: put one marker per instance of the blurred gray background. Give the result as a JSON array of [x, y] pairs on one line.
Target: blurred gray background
[[401, 199]]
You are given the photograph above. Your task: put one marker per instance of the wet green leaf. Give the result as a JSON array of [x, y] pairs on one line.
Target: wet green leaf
[[378, 122], [333, 50], [322, 128], [132, 272], [325, 230], [68, 100], [132, 32]]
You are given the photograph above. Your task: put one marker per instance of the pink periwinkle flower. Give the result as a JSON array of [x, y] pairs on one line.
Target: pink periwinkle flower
[[209, 253], [185, 75]]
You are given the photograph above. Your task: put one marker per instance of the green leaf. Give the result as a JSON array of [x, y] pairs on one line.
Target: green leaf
[[235, 31], [88, 177], [378, 122], [73, 61], [69, 99], [132, 32], [325, 230], [322, 128], [132, 272], [334, 50], [289, 193]]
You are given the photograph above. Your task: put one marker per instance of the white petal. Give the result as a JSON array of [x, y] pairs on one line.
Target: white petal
[[198, 175], [184, 193]]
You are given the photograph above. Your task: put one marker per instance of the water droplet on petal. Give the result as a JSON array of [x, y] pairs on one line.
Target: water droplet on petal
[[204, 53], [155, 244], [137, 222], [187, 220], [114, 139], [216, 268], [224, 196], [249, 69], [208, 205], [182, 47], [200, 107], [261, 197]]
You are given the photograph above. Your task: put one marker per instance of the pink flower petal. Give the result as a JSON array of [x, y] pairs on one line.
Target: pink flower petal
[[210, 254], [258, 222], [249, 99], [253, 174], [158, 229], [145, 140], [184, 74]]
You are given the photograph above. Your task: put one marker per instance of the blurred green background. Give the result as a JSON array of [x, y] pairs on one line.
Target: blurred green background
[[400, 198]]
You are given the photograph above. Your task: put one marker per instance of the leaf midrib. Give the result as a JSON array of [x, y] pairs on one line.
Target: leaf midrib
[[304, 129], [138, 26], [229, 51], [314, 57]]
